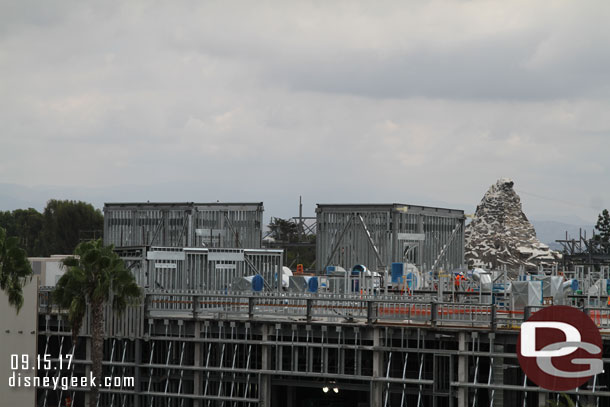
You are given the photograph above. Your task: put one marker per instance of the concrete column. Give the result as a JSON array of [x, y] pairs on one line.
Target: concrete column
[[376, 394], [462, 392], [264, 391], [138, 370], [88, 366], [498, 376], [543, 399], [197, 363]]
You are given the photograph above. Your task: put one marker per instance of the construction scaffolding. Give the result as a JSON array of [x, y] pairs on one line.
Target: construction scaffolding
[[584, 251], [377, 235], [261, 349], [183, 224], [231, 326]]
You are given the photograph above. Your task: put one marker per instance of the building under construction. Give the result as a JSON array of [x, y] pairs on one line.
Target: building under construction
[[184, 224], [378, 235], [230, 326]]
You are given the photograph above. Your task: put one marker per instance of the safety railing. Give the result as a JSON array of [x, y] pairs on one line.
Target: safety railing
[[601, 316], [343, 308], [330, 308], [465, 314]]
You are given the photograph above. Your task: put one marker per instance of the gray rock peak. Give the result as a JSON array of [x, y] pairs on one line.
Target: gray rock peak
[[500, 233]]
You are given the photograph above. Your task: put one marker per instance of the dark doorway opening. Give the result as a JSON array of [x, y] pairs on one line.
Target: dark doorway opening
[[313, 395]]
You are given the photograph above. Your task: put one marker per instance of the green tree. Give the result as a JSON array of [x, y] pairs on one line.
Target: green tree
[[26, 225], [283, 230], [297, 249], [14, 269], [64, 222], [28, 228], [95, 275], [7, 221], [603, 226]]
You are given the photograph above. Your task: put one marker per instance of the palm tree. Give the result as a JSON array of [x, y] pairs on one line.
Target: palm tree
[[96, 276], [14, 269]]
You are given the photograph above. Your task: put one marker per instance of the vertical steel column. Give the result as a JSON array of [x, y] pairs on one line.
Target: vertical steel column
[[324, 350], [340, 351], [543, 399], [293, 350], [197, 364], [462, 392], [265, 380], [376, 396], [308, 352]]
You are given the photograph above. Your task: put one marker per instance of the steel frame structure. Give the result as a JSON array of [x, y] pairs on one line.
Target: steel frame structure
[[184, 224], [195, 341], [376, 235], [202, 269], [210, 349]]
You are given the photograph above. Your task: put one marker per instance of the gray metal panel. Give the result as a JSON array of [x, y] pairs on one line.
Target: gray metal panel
[[342, 238], [203, 269], [183, 224]]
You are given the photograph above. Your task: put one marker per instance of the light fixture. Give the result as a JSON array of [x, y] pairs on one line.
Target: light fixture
[[325, 389], [336, 389]]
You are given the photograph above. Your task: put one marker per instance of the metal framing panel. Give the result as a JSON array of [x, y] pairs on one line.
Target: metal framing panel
[[184, 224], [202, 269], [377, 235]]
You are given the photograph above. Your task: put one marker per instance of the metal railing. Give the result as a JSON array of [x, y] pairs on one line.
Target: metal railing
[[329, 308], [343, 308]]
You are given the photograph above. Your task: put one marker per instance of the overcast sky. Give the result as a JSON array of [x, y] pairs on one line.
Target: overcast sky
[[422, 102]]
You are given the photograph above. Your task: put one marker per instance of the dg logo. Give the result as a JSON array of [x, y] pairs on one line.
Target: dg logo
[[560, 348]]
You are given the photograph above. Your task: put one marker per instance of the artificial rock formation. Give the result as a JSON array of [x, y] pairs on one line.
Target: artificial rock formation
[[500, 234]]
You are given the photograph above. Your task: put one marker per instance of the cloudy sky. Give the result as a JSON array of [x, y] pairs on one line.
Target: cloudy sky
[[423, 102]]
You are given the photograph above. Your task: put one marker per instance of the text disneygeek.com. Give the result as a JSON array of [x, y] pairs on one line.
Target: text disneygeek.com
[[23, 366]]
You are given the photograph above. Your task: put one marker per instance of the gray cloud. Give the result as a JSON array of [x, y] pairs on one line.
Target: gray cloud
[[418, 102]]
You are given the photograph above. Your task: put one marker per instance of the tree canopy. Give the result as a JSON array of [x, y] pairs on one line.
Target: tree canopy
[[57, 230], [298, 249], [283, 230], [14, 269], [603, 226]]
